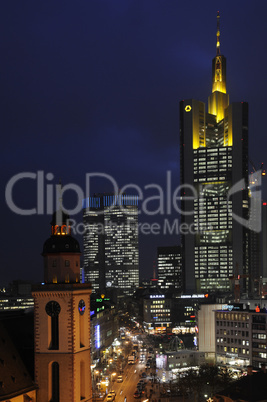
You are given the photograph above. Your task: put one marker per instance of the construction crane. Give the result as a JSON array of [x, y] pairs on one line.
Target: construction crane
[[236, 277], [255, 268], [255, 170]]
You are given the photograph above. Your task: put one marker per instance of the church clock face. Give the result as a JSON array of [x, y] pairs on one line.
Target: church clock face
[[52, 308], [81, 306]]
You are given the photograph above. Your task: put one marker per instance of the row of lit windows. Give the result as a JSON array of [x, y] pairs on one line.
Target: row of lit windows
[[218, 149], [234, 340], [262, 355], [231, 316], [233, 350], [259, 336], [162, 310]]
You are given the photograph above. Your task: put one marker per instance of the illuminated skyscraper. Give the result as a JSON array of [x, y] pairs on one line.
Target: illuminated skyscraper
[[214, 158], [170, 268], [111, 250]]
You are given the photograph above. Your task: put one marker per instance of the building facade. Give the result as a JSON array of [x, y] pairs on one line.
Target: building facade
[[157, 313], [234, 334], [214, 173], [111, 248], [104, 324], [241, 336], [170, 274], [175, 360], [17, 296], [205, 329]]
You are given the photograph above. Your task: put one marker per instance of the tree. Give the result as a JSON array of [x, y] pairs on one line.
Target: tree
[[191, 382], [209, 376], [225, 377]]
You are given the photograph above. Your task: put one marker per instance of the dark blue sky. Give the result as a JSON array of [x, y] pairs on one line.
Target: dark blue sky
[[94, 86]]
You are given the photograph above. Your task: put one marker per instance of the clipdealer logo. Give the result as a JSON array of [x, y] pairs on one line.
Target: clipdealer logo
[[164, 201]]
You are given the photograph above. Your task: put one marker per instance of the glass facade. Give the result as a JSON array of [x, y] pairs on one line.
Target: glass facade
[[111, 252], [213, 216]]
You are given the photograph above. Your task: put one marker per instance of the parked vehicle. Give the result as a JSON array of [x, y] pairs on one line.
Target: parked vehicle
[[137, 394]]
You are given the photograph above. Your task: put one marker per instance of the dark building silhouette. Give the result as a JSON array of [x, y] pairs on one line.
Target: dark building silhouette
[[170, 271]]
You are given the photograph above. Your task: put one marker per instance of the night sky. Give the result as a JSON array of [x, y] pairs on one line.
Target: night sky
[[94, 86]]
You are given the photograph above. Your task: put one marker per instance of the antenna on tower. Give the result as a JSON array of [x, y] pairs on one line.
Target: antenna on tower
[[218, 50], [59, 212], [60, 193], [154, 269]]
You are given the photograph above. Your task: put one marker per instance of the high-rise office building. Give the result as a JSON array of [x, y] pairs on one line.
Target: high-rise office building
[[263, 272], [111, 248], [214, 158], [170, 275]]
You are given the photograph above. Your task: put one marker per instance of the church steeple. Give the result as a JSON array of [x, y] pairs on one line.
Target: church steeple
[[61, 252], [62, 319]]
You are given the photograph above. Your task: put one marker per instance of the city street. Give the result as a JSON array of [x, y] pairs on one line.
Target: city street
[[128, 386]]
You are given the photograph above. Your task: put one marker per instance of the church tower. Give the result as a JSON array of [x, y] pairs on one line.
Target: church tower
[[62, 320]]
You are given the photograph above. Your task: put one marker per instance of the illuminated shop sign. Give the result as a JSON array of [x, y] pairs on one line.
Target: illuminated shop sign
[[97, 336]]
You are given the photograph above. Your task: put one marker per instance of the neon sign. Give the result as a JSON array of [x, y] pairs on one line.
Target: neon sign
[[97, 336]]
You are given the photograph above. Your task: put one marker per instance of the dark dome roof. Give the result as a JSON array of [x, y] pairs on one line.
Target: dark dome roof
[[60, 218], [61, 244]]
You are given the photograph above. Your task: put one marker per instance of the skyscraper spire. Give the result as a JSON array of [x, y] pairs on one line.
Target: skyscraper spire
[[219, 99], [218, 51]]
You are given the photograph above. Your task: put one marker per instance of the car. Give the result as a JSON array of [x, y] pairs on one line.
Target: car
[[110, 397], [137, 394], [143, 375], [112, 392], [119, 378]]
